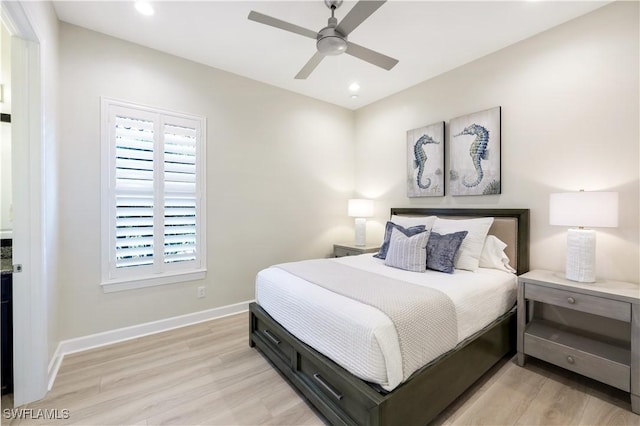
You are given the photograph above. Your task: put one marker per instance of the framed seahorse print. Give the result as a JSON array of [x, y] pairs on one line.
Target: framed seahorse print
[[474, 152], [425, 161]]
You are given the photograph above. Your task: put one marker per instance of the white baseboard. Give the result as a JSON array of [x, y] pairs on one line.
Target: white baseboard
[[54, 366], [92, 341]]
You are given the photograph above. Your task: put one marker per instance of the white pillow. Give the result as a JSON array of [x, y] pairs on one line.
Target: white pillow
[[408, 253], [468, 256], [409, 221], [493, 255]]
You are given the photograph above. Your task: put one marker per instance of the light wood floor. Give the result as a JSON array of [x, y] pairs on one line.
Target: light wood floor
[[207, 374]]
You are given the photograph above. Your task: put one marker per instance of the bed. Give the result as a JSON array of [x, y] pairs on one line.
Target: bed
[[346, 394]]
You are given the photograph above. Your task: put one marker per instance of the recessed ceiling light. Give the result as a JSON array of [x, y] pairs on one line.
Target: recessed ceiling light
[[354, 87], [144, 7], [354, 96]]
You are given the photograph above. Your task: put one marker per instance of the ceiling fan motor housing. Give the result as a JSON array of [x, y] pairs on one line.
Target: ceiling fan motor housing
[[330, 41]]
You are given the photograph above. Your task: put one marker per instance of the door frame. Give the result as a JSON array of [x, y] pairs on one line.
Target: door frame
[[30, 335]]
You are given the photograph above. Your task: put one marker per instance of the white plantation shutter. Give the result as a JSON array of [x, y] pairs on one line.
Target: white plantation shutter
[[134, 231], [180, 200], [153, 197], [134, 191]]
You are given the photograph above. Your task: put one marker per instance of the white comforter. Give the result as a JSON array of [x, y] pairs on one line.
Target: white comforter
[[361, 338]]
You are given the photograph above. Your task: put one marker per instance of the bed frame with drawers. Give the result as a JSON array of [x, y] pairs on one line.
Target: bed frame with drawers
[[344, 399]]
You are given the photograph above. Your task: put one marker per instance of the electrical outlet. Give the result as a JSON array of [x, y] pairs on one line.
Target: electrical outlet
[[201, 292]]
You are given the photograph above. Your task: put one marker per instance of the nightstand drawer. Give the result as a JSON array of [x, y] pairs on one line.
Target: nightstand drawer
[[581, 302], [605, 370], [341, 252]]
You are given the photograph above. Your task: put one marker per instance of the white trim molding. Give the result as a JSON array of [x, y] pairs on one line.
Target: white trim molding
[[16, 21], [153, 196], [30, 287], [97, 340], [130, 284], [54, 366]]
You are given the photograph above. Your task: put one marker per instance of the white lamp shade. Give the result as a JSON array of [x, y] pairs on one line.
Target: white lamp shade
[[359, 207], [588, 209]]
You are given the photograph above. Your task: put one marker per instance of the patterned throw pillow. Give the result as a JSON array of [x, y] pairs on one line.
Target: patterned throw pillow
[[442, 249], [387, 235], [408, 253]]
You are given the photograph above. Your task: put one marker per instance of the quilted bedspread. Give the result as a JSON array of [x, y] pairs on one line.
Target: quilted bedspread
[[424, 318]]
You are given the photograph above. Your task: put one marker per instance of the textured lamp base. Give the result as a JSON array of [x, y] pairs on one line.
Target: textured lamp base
[[361, 232], [581, 255]]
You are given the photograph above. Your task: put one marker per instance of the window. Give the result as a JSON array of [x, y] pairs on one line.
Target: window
[[153, 196]]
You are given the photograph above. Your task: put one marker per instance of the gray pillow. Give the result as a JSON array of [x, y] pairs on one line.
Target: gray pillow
[[408, 253], [442, 249], [413, 230]]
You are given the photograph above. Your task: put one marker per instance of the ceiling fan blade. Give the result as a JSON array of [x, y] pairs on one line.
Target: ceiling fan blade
[[361, 11], [309, 66], [373, 57], [274, 22]]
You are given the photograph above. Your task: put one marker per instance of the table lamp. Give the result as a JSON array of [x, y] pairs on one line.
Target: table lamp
[[360, 209], [583, 209]]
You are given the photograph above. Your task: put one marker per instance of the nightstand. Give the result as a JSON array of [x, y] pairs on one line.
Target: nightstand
[[350, 249], [590, 328]]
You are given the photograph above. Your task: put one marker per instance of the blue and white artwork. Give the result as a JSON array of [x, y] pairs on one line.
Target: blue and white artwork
[[474, 144], [425, 161]]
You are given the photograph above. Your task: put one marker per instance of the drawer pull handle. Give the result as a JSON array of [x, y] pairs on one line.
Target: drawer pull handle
[[571, 300], [325, 385], [271, 337], [570, 359]]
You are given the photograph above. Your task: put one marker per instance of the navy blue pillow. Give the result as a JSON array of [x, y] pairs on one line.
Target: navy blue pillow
[[409, 232], [442, 249]]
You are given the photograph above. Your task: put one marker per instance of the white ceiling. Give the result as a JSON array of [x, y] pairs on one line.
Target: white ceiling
[[427, 37]]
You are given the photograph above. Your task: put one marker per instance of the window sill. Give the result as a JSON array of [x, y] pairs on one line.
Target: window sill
[[152, 281]]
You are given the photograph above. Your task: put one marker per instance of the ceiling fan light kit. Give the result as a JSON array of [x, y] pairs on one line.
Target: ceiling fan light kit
[[331, 43], [332, 39]]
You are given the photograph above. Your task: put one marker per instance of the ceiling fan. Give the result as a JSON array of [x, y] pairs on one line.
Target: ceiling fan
[[332, 39]]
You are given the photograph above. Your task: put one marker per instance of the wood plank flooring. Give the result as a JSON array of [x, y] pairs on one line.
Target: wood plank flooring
[[207, 374]]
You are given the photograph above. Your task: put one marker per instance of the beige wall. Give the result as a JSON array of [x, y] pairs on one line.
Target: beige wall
[[280, 166], [570, 120], [279, 173]]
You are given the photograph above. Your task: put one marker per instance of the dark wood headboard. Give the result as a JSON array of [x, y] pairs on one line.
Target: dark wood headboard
[[515, 219]]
